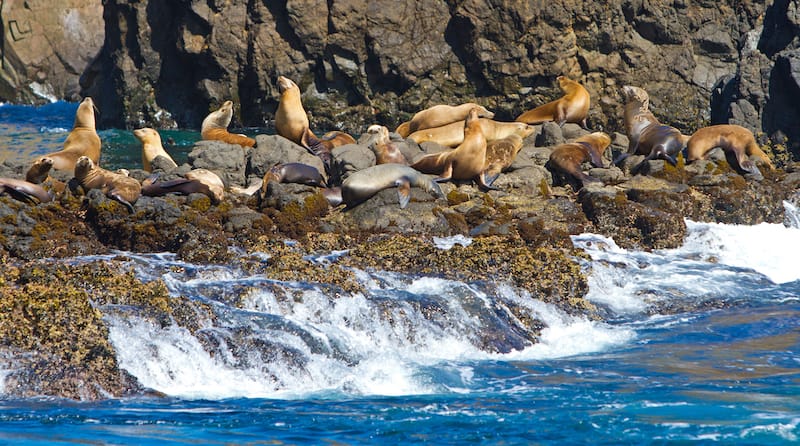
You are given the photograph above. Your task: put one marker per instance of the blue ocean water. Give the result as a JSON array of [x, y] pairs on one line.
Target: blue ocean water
[[699, 344]]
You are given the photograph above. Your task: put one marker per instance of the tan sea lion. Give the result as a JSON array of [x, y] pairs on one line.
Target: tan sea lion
[[116, 186], [81, 141], [568, 158], [403, 129], [24, 191], [646, 135], [451, 135], [500, 153], [39, 170], [151, 187], [363, 184], [465, 162], [733, 139], [211, 180], [439, 115], [383, 147], [572, 107], [215, 127], [152, 147]]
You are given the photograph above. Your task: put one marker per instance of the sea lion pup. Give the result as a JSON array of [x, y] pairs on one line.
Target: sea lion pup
[[116, 186], [465, 162], [297, 173], [82, 139], [385, 151], [39, 170], [733, 139], [363, 184], [646, 135], [24, 191], [439, 115], [451, 135], [567, 158], [152, 147], [572, 107], [215, 127]]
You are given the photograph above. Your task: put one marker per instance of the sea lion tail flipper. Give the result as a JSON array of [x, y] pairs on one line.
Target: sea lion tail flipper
[[333, 195], [671, 159], [403, 191], [125, 202], [446, 175]]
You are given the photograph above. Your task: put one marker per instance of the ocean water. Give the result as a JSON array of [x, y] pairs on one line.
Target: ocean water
[[699, 344]]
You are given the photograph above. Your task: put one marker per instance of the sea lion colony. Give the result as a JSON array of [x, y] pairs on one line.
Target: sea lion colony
[[474, 147]]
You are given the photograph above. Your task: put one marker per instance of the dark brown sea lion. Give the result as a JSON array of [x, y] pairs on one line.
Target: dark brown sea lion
[[733, 139], [439, 115], [572, 107], [363, 184], [152, 148], [24, 191], [646, 135], [385, 150], [215, 127], [116, 186], [568, 158], [81, 141], [39, 170], [465, 162]]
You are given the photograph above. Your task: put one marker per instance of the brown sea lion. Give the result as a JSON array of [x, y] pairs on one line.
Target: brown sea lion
[[116, 186], [568, 158], [451, 135], [363, 184], [152, 147], [439, 115], [215, 127], [572, 107], [81, 141], [465, 162], [733, 139], [383, 147], [39, 170], [151, 187], [500, 153], [646, 135], [24, 191]]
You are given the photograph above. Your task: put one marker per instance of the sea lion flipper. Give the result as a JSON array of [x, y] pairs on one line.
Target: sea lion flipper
[[446, 175], [596, 159], [125, 202], [403, 191]]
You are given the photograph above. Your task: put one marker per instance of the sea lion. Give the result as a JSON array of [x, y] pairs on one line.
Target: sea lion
[[567, 158], [211, 180], [81, 141], [152, 147], [116, 186], [39, 170], [500, 154], [363, 184], [451, 135], [215, 127], [291, 122], [733, 139], [383, 147], [297, 173], [151, 187], [572, 107], [24, 191], [465, 162], [439, 115], [646, 135]]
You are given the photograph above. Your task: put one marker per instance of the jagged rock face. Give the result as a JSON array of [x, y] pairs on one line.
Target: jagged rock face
[[362, 62], [45, 46]]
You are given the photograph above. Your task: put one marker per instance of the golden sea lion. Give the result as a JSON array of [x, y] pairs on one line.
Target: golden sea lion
[[465, 162], [116, 186], [733, 139], [572, 107], [451, 135], [568, 158], [24, 191], [211, 180], [439, 115], [647, 136], [403, 129], [81, 141], [383, 147], [363, 184], [152, 147], [500, 153], [215, 127]]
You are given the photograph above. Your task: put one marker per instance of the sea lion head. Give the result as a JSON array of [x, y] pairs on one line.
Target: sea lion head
[[146, 134], [598, 139], [483, 112], [83, 166], [39, 170], [285, 84], [84, 116], [381, 132], [635, 94]]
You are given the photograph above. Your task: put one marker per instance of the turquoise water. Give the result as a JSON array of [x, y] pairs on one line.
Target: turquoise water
[[724, 369]]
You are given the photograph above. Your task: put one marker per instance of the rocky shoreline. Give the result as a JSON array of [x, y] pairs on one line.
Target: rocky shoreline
[[55, 341]]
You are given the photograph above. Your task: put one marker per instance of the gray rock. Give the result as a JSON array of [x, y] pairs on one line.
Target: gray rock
[[551, 135], [274, 149], [349, 158], [226, 160]]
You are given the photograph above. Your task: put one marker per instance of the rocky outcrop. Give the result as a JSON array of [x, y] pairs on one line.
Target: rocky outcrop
[[364, 62], [45, 46]]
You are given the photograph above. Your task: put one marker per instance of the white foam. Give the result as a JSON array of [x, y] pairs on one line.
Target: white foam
[[446, 243]]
